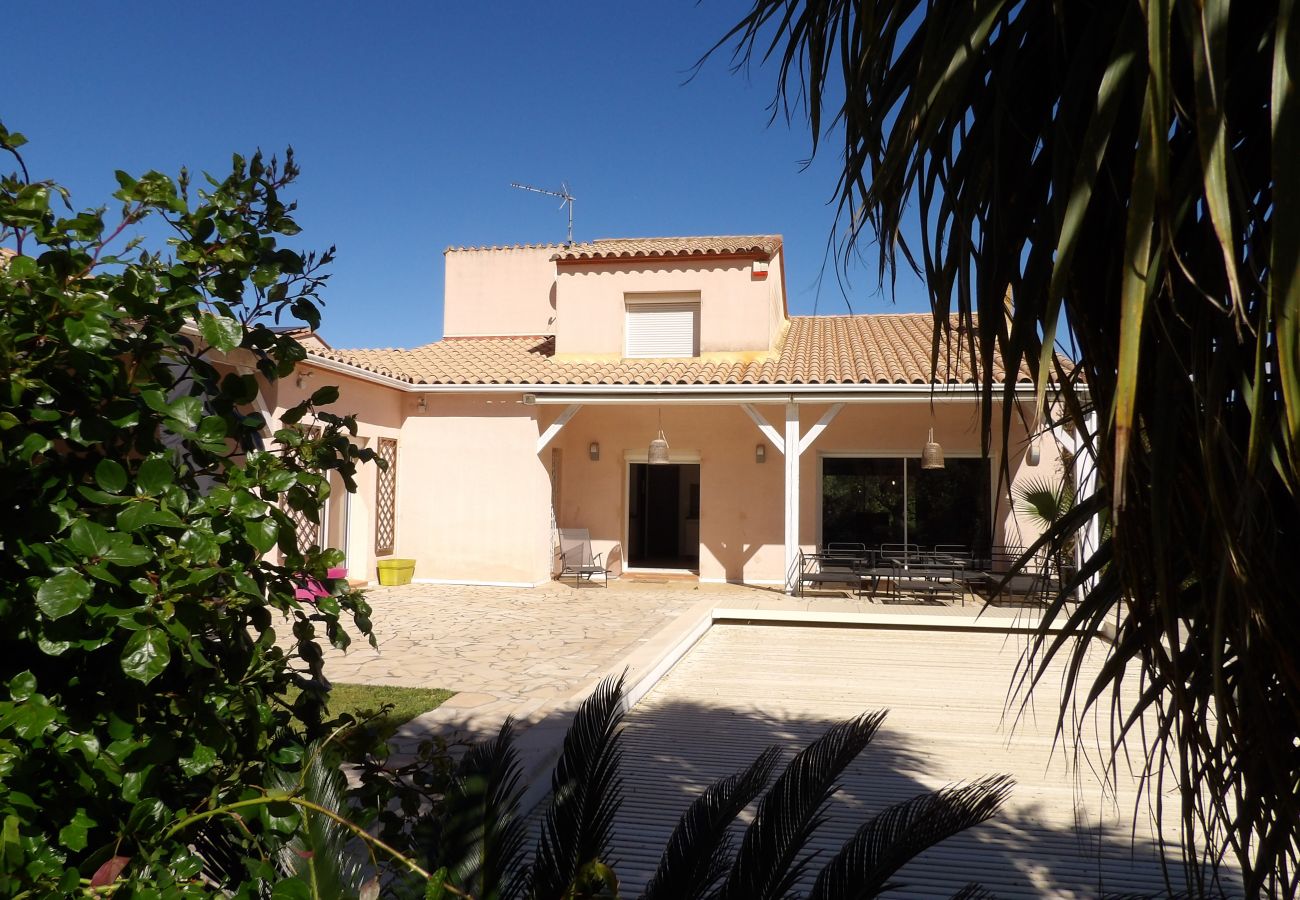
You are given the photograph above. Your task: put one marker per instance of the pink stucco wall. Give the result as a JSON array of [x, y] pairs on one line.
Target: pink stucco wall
[[499, 290], [379, 411], [474, 492], [735, 306], [474, 495], [742, 501]]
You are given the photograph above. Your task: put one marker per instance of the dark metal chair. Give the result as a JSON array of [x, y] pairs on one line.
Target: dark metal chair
[[576, 558], [837, 563]]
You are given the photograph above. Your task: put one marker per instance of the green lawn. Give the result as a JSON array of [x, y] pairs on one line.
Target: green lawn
[[365, 700]]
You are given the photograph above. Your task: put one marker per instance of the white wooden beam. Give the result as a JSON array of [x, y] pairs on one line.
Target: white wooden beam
[[816, 431], [768, 431], [791, 497], [1085, 482], [554, 428]]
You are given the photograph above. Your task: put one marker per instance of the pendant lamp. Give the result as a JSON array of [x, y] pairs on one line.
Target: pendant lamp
[[932, 453], [658, 453]]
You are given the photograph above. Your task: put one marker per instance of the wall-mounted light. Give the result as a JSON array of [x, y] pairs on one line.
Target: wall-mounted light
[[530, 399], [1035, 453], [593, 451], [760, 453], [422, 405], [302, 376]]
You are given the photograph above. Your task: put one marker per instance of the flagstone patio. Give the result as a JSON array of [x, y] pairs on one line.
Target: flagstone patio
[[527, 652]]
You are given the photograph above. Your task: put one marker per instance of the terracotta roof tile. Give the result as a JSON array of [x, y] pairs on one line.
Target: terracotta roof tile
[[761, 246], [873, 349]]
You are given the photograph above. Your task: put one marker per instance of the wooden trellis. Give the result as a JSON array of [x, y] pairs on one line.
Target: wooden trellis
[[309, 531], [386, 501]]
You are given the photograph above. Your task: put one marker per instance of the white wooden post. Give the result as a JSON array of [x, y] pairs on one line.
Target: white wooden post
[[1085, 483], [791, 495], [792, 448]]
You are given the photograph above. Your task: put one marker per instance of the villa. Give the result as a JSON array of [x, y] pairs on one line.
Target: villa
[[560, 364]]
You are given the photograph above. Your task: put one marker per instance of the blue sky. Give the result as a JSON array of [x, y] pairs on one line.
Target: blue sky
[[410, 120]]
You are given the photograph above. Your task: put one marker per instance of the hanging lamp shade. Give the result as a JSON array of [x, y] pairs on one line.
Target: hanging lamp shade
[[932, 454], [658, 454]]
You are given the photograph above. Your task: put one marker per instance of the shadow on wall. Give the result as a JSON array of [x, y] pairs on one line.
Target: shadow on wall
[[733, 557], [672, 750]]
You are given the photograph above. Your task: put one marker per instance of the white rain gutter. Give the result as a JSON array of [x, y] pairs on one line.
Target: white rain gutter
[[564, 394]]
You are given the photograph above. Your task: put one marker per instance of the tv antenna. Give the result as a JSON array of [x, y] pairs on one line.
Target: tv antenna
[[566, 199]]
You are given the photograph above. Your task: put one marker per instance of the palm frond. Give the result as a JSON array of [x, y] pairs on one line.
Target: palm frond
[[770, 859], [864, 866], [586, 791], [1044, 501], [323, 853], [698, 853], [482, 835], [1125, 173]]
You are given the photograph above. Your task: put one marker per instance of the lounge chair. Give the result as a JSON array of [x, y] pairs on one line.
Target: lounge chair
[[576, 558]]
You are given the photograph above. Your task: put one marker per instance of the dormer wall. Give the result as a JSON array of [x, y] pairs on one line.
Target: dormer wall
[[499, 291], [741, 301]]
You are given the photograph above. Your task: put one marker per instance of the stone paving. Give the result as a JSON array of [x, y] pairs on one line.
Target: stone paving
[[534, 654], [510, 649], [522, 651]]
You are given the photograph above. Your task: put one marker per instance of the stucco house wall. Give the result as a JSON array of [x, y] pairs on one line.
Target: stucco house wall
[[590, 302], [741, 500], [499, 290], [380, 413]]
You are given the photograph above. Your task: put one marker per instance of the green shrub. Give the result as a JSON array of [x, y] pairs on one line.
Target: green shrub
[[141, 685]]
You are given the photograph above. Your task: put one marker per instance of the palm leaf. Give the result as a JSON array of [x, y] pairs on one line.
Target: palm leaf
[[698, 853], [323, 853], [481, 833], [770, 859], [881, 847], [1126, 172], [586, 791], [1042, 500]]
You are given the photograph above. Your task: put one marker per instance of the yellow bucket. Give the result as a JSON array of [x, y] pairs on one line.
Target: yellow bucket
[[393, 572]]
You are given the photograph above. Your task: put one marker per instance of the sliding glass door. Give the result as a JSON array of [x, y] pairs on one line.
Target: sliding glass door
[[883, 500]]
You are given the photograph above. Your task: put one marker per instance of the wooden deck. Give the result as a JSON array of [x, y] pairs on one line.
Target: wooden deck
[[741, 688]]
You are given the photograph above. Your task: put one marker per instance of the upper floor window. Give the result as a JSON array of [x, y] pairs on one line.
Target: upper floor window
[[659, 325]]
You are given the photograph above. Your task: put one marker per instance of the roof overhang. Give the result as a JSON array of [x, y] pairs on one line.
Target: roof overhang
[[692, 393]]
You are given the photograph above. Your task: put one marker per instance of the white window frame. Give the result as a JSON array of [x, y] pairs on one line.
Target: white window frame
[[686, 301]]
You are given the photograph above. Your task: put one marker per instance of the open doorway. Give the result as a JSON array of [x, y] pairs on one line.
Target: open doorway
[[663, 527]]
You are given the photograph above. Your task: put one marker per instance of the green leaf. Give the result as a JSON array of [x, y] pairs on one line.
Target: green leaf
[[146, 654], [155, 473], [89, 539], [221, 332], [186, 410], [73, 835], [123, 551], [212, 428], [198, 762], [291, 889], [200, 545], [138, 515], [62, 594], [22, 685], [22, 267], [262, 534], [436, 888], [31, 718], [324, 396]]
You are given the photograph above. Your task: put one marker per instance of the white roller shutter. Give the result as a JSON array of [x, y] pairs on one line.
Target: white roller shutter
[[662, 328]]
